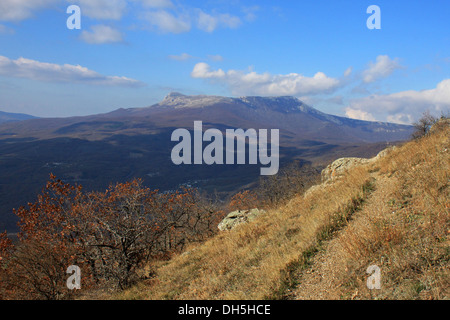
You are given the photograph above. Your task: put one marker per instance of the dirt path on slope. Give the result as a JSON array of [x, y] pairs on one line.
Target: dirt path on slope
[[320, 281]]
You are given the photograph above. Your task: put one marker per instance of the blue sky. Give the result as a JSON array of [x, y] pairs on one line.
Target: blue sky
[[131, 53]]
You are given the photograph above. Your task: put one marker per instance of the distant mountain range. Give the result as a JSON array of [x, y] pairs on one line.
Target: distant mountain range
[[101, 149], [288, 114], [9, 117]]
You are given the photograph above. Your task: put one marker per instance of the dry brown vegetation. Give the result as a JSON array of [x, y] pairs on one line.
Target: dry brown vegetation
[[393, 213], [110, 235], [403, 229], [254, 260]]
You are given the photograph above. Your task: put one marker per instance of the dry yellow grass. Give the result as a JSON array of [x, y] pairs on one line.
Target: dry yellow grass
[[402, 225], [248, 262], [403, 228]]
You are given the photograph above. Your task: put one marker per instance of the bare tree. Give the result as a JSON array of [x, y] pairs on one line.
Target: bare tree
[[291, 180], [423, 125]]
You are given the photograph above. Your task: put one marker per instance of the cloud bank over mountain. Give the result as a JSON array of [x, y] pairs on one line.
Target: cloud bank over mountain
[[253, 83], [402, 107]]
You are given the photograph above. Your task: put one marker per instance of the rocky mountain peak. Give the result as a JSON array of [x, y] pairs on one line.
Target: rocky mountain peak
[[178, 100]]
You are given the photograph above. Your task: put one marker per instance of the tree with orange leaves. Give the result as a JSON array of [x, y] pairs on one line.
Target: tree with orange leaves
[[37, 265], [108, 234], [244, 200]]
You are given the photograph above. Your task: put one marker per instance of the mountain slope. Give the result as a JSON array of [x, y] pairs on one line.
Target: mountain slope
[[97, 150], [10, 117], [288, 114], [391, 212]]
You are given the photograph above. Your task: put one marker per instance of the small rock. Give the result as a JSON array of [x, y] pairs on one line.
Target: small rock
[[237, 217]]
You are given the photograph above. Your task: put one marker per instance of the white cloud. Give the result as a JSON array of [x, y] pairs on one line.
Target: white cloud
[[18, 10], [101, 34], [359, 114], [216, 57], [252, 83], [402, 107], [164, 15], [185, 56], [102, 9], [181, 57], [203, 70], [348, 72], [157, 3], [208, 23], [167, 22], [6, 30], [181, 20], [50, 72], [250, 13], [229, 21], [382, 68]]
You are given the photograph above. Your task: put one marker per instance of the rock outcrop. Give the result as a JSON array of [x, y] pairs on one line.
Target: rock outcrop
[[238, 217], [341, 165]]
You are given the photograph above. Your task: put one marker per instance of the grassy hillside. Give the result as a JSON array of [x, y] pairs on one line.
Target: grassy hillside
[[392, 212]]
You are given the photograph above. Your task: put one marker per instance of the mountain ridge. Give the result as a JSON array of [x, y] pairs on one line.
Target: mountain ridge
[[12, 117], [180, 110], [131, 143]]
